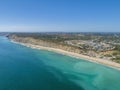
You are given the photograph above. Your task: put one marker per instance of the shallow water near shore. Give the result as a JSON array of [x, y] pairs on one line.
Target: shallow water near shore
[[23, 68]]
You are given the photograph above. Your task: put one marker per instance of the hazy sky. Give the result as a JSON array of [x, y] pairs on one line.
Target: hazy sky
[[60, 15]]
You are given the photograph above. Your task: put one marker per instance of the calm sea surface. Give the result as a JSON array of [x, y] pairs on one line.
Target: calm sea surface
[[23, 68]]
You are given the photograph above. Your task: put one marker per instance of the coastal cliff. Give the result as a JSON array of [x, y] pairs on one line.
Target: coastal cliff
[[40, 42]]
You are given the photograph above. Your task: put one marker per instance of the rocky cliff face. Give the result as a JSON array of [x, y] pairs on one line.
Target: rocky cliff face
[[30, 40]]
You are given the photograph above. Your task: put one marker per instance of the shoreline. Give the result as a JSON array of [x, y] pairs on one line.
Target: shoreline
[[72, 54]]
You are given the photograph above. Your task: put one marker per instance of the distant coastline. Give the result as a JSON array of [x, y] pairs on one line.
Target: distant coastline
[[72, 54]]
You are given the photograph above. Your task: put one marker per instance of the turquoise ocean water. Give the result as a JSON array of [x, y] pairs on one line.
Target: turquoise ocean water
[[23, 68]]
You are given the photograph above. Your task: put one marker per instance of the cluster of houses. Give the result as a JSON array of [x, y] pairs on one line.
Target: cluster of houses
[[90, 45]]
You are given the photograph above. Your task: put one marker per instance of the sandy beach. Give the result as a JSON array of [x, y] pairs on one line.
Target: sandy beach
[[75, 55]]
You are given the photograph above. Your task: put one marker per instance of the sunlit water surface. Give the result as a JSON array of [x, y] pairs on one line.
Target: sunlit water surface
[[23, 68]]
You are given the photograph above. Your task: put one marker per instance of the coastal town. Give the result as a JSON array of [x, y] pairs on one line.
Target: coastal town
[[105, 46]]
